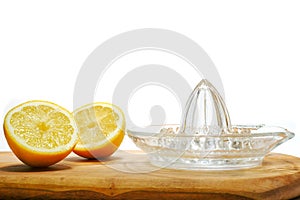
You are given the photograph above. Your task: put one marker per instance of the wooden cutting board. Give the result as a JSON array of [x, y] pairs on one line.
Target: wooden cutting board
[[128, 175]]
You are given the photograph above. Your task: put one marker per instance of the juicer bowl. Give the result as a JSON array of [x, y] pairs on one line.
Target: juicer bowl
[[244, 147]]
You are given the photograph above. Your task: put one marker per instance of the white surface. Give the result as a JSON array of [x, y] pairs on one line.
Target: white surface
[[255, 46]]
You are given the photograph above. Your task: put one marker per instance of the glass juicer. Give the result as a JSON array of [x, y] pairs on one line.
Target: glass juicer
[[205, 139]]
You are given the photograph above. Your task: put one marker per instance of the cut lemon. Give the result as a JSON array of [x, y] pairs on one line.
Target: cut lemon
[[40, 133], [101, 129]]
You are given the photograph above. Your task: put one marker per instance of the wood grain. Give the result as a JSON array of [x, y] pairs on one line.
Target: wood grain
[[128, 175]]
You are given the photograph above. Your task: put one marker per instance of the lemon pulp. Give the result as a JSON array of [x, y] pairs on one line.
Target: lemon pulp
[[42, 126]]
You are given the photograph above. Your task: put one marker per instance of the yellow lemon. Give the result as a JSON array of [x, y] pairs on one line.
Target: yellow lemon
[[40, 133], [101, 129]]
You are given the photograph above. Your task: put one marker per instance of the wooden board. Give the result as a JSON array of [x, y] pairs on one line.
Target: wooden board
[[128, 175]]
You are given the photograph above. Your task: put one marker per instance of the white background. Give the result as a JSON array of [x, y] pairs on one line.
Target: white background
[[254, 44]]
